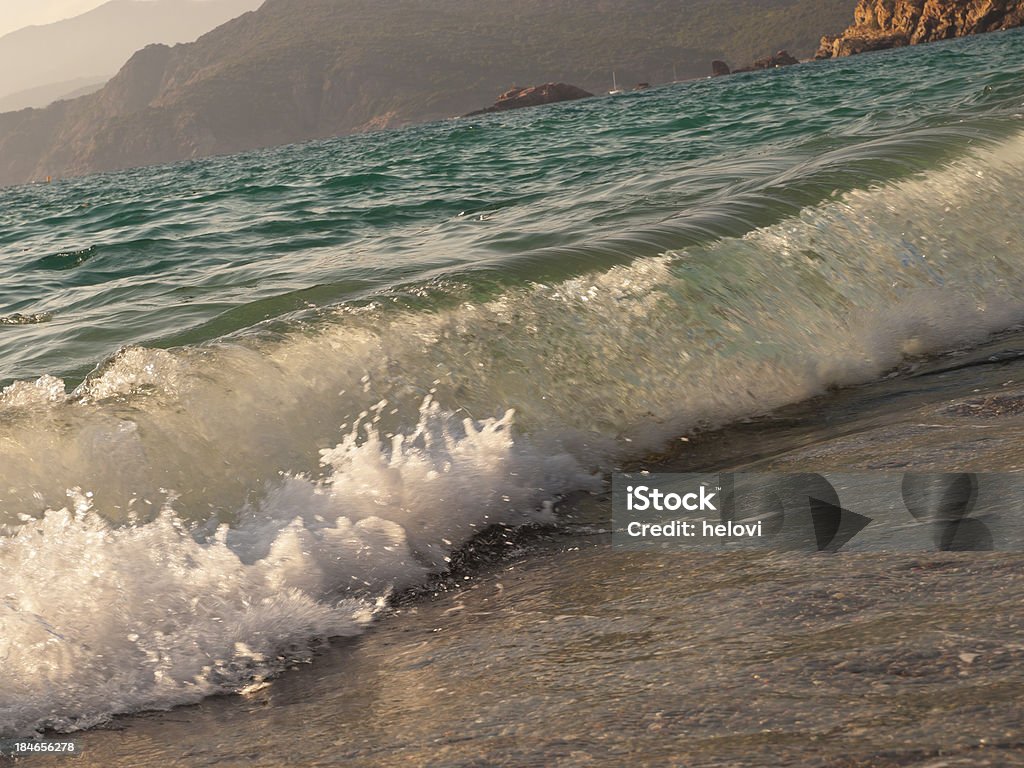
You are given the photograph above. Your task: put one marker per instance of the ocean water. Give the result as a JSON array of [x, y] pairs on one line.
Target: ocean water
[[248, 399]]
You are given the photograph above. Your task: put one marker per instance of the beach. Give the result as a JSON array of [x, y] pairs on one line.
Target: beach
[[570, 652]]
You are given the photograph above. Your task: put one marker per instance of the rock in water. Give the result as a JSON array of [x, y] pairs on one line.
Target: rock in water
[[549, 93], [780, 59], [879, 24]]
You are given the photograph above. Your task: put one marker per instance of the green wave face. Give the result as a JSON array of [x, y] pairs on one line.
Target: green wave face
[[190, 253], [615, 272]]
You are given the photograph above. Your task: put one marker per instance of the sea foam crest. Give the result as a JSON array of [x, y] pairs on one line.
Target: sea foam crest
[[97, 618]]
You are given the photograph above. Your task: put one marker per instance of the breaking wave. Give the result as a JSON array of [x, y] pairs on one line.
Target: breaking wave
[[190, 521]]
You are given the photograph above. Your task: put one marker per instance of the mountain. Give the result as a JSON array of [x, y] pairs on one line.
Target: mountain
[[39, 61], [882, 24], [41, 95], [26, 13], [302, 69]]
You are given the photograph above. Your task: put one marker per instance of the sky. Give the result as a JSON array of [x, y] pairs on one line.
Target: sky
[[15, 14]]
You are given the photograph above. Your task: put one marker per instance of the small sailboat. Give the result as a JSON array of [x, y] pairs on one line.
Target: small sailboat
[[615, 91]]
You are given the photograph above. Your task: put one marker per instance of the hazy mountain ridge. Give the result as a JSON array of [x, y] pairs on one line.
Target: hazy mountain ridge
[[96, 44], [43, 95], [301, 69]]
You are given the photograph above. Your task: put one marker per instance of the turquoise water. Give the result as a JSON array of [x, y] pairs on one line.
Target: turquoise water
[[247, 397], [191, 252]]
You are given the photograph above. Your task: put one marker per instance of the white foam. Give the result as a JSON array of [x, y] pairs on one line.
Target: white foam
[[97, 619], [41, 393]]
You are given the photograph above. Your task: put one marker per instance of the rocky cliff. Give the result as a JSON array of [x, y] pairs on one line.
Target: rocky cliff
[[882, 24]]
